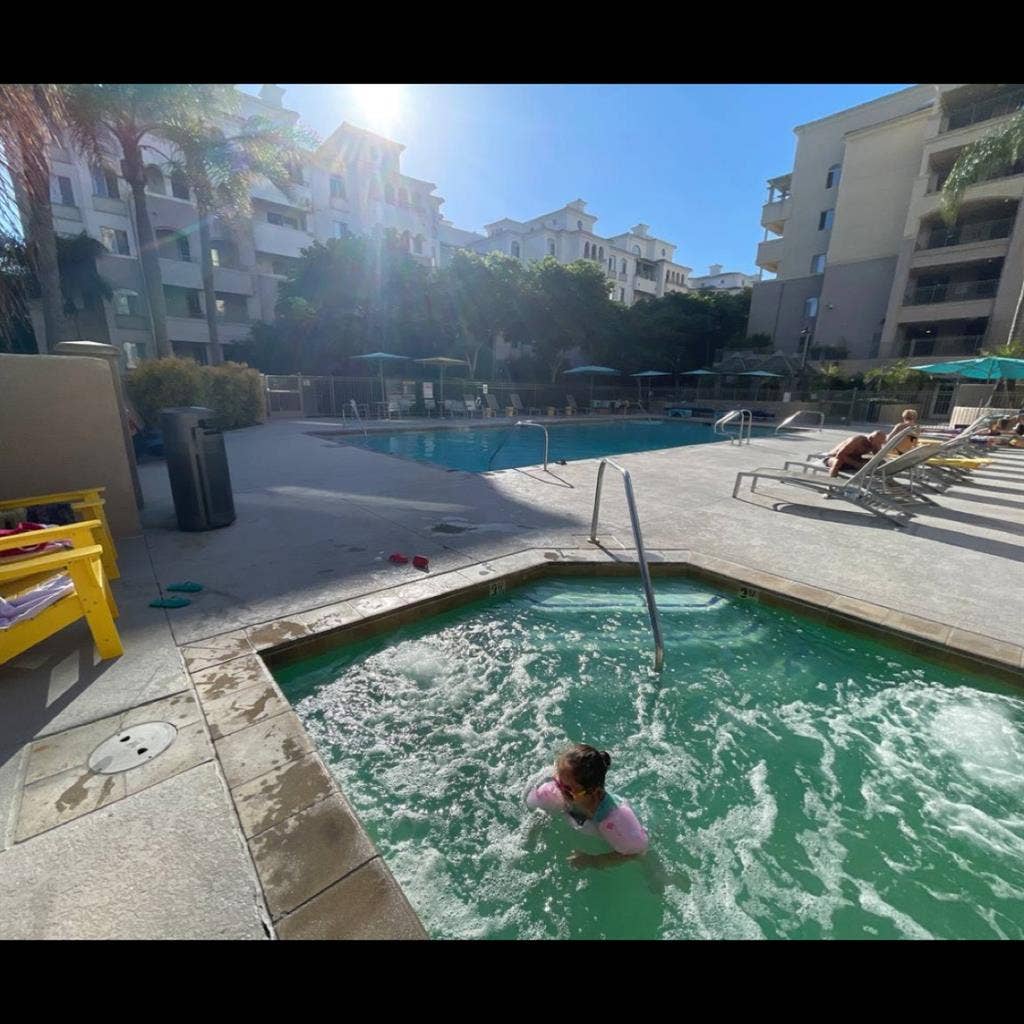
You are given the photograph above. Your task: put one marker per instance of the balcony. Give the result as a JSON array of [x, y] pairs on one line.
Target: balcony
[[279, 240], [981, 231], [769, 254], [942, 346], [226, 279], [774, 215], [957, 291], [301, 195], [645, 285], [1007, 102], [180, 274]]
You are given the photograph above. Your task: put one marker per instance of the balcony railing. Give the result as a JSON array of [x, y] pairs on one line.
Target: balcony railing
[[985, 110], [960, 291], [1008, 172], [981, 231], [946, 345]]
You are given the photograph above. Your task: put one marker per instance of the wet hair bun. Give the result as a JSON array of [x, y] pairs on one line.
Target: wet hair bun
[[607, 758]]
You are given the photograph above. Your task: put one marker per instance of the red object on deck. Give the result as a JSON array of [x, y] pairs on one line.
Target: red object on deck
[[421, 562], [398, 559]]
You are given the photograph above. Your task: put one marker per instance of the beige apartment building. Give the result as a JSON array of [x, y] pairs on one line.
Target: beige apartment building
[[865, 269]]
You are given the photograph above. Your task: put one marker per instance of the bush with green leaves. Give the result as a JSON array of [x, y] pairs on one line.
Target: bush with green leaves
[[235, 391]]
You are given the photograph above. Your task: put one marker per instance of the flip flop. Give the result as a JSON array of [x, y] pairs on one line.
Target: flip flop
[[170, 602], [188, 587]]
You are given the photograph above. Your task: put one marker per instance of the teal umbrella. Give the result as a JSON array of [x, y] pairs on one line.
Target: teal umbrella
[[442, 362], [759, 375], [594, 371], [380, 357], [699, 374], [986, 368], [647, 373]]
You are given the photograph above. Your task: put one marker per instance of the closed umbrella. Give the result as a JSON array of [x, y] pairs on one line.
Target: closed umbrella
[[647, 373], [380, 357], [593, 371], [442, 362]]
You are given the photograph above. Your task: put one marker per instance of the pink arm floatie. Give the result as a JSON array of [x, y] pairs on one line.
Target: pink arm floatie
[[623, 832], [547, 797]]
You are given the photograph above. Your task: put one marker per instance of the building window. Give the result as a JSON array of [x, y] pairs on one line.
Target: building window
[[134, 353], [515, 249], [811, 307], [623, 267], [622, 295], [223, 253], [155, 181], [600, 253], [182, 302], [337, 187], [825, 220], [818, 264], [417, 245], [104, 183], [340, 229], [179, 185], [173, 245], [127, 303], [586, 250], [60, 190], [551, 247], [611, 264], [636, 250], [579, 225], [282, 220], [833, 176], [662, 253], [115, 240], [231, 308], [282, 265]]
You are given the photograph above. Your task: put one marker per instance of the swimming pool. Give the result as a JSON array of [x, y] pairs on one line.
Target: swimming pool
[[797, 780], [470, 448]]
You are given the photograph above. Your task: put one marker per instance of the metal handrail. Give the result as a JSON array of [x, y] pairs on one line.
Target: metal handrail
[[522, 423], [359, 419], [746, 417], [645, 572], [803, 412]]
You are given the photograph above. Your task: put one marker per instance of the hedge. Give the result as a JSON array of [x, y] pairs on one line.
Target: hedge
[[234, 391]]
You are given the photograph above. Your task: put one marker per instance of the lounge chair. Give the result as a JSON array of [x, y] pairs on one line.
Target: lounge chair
[[454, 408], [44, 592], [861, 489], [493, 406], [517, 404], [471, 409], [571, 408]]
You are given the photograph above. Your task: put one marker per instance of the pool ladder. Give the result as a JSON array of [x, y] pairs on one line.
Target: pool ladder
[[746, 419], [359, 419], [522, 423], [803, 412], [645, 572]]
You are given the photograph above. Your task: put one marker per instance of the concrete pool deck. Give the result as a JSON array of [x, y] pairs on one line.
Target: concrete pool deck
[[234, 832]]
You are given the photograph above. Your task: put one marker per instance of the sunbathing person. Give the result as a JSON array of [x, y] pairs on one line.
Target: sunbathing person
[[908, 418], [854, 452]]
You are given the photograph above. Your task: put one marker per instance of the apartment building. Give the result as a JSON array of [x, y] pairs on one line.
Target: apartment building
[[635, 262], [718, 280], [351, 183], [865, 268]]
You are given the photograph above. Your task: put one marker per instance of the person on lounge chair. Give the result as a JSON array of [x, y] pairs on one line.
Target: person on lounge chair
[[854, 452], [908, 418]]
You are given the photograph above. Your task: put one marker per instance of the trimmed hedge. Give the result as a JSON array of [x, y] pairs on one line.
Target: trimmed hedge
[[234, 391]]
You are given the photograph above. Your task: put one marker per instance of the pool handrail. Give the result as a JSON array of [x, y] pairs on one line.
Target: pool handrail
[[522, 423], [645, 572], [800, 412], [746, 418], [359, 419]]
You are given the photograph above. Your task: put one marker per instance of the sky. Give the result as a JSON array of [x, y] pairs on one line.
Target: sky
[[691, 161]]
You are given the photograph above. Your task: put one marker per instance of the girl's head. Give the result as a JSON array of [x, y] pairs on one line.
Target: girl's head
[[581, 769]]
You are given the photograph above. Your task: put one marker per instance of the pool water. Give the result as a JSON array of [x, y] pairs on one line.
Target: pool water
[[796, 780], [471, 448]]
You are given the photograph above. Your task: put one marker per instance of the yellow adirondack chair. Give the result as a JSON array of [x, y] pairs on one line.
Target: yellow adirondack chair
[[91, 598], [87, 505]]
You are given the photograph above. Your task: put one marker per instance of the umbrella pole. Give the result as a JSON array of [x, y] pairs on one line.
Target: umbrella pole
[[383, 393]]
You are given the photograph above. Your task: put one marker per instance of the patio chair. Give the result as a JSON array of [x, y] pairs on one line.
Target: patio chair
[[471, 409], [493, 405], [46, 591], [454, 408], [860, 489], [87, 505], [517, 404], [571, 408]]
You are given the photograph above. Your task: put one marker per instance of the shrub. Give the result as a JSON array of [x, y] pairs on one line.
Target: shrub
[[162, 383], [236, 393]]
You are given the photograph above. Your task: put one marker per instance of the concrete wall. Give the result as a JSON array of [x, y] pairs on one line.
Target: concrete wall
[[777, 309], [60, 430], [852, 309]]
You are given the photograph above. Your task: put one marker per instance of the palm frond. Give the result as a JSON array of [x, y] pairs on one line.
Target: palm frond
[[980, 161]]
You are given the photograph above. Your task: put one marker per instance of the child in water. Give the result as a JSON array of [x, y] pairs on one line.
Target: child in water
[[577, 790]]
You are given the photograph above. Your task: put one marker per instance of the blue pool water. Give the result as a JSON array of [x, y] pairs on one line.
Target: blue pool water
[[470, 448]]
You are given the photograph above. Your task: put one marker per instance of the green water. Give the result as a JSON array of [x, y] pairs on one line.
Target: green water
[[796, 781]]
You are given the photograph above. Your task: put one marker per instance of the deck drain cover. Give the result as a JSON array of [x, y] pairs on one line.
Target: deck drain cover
[[132, 748]]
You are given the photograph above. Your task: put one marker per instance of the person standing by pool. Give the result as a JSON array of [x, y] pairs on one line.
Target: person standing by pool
[[577, 791]]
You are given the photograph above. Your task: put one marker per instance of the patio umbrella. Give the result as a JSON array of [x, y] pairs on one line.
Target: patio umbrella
[[380, 357], [594, 371], [760, 375], [699, 374], [647, 373], [442, 362], [986, 368]]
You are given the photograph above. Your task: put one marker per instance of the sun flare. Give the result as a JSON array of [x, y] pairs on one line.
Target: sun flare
[[379, 105]]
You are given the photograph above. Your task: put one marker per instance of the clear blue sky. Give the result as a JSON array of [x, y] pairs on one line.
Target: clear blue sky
[[689, 160]]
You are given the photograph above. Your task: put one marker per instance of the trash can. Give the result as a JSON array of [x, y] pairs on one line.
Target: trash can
[[197, 464]]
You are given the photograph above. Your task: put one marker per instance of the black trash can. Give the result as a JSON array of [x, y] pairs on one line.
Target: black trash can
[[198, 467]]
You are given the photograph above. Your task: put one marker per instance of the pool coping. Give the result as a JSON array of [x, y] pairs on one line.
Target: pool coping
[[321, 874]]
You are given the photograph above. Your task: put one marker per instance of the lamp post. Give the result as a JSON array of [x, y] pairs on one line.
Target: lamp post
[[805, 340]]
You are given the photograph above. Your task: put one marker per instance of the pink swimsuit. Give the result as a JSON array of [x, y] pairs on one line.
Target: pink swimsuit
[[613, 820]]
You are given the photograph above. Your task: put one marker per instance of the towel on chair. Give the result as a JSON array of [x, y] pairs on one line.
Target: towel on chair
[[32, 602]]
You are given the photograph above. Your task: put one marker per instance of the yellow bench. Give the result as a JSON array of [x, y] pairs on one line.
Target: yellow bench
[[86, 505], [91, 598]]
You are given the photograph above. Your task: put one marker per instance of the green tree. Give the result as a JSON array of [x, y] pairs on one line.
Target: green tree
[[82, 285], [16, 283], [222, 169], [894, 376], [987, 158], [119, 118]]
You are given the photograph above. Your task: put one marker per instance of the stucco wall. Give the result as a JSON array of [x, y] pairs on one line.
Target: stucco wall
[[60, 430], [854, 298]]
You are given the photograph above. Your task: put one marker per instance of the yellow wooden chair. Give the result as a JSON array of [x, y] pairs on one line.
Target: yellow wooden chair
[[86, 505], [91, 598]]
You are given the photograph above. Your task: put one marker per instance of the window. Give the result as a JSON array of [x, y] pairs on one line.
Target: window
[[179, 185], [134, 353], [662, 253], [127, 303], [337, 187], [818, 264], [586, 250], [833, 176], [551, 247], [825, 220], [811, 307], [155, 181], [184, 252], [340, 229], [622, 295], [115, 240], [636, 250], [417, 246], [104, 183], [600, 253], [623, 268], [579, 225], [282, 265], [173, 245], [515, 249], [60, 191], [223, 253], [231, 308], [282, 220], [611, 264], [182, 302]]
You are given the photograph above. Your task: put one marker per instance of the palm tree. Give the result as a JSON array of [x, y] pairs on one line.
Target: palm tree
[[30, 116], [222, 171], [125, 114], [81, 283], [977, 162]]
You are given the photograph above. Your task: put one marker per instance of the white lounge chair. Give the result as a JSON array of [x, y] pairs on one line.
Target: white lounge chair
[[517, 404]]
